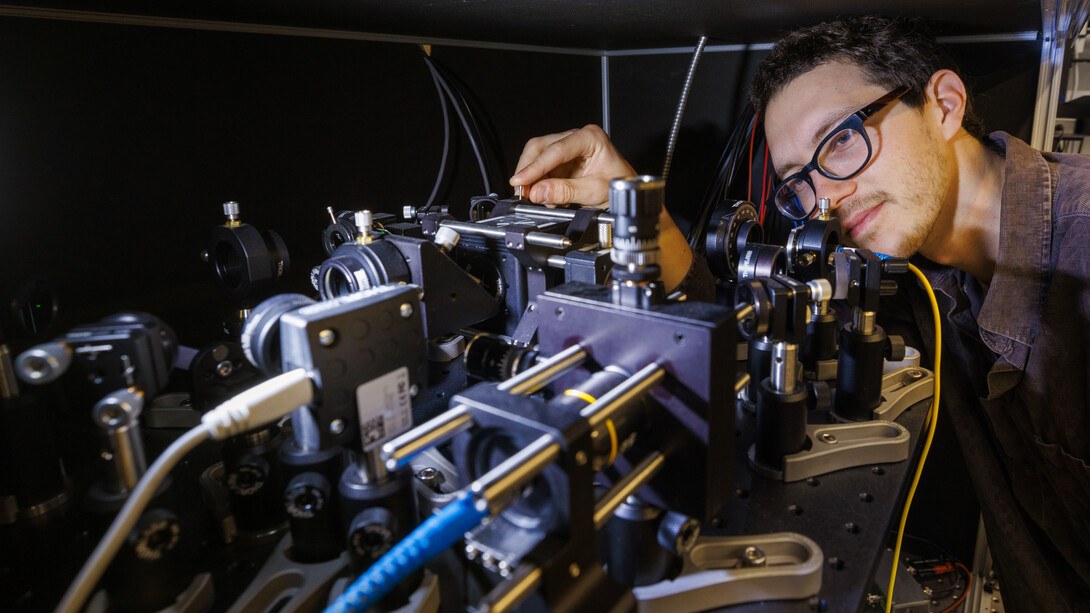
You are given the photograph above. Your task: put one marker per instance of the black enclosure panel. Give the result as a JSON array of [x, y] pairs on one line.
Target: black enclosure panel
[[588, 24], [644, 94], [119, 144]]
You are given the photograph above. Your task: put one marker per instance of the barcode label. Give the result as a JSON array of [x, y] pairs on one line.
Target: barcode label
[[384, 406]]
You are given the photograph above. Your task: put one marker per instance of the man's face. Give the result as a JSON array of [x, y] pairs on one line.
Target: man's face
[[891, 206]]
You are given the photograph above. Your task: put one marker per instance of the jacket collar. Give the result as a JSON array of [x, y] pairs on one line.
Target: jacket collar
[[1011, 312]]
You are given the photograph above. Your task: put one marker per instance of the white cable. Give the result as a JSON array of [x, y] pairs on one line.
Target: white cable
[[259, 405]]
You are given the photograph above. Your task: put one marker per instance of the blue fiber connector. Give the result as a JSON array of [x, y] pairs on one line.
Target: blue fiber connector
[[429, 539]]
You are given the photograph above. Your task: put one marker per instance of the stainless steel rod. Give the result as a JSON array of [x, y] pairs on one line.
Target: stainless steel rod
[[539, 375], [621, 397], [555, 241], [744, 312], [399, 451], [636, 478], [509, 594], [499, 485]]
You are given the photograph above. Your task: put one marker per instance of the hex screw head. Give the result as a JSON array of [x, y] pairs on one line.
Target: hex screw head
[[406, 310], [327, 337]]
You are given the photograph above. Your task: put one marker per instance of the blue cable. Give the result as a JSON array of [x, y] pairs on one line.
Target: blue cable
[[428, 540]]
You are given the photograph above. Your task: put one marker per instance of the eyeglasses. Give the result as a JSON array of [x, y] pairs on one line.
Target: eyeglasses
[[841, 155]]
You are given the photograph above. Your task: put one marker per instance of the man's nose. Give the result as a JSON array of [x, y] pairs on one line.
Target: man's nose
[[835, 190]]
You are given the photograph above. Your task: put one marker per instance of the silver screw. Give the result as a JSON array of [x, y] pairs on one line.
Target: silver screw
[[414, 389], [914, 375], [230, 209], [336, 426], [828, 437], [406, 310], [225, 368], [753, 556], [326, 337]]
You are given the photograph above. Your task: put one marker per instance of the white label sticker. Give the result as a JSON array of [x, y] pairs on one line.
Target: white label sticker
[[385, 406]]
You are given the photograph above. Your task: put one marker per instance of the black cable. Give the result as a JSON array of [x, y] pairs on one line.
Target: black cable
[[462, 110], [482, 128], [723, 177], [441, 177]]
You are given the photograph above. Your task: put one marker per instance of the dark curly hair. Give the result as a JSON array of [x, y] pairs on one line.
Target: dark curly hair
[[894, 52]]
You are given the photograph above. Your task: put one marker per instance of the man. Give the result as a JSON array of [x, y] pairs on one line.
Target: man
[[1001, 230]]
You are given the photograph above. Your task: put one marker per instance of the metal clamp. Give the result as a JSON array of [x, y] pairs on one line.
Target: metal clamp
[[840, 446], [724, 571]]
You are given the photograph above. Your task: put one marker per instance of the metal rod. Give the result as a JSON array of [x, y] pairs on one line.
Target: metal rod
[[741, 383], [539, 375], [509, 594], [744, 312], [555, 241], [556, 261], [636, 478], [399, 451], [501, 483], [542, 211], [621, 397], [785, 359]]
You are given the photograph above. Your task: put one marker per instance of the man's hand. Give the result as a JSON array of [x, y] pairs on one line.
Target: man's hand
[[577, 166], [573, 166]]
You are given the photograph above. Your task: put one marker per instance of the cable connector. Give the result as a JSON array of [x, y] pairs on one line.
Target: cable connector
[[262, 404]]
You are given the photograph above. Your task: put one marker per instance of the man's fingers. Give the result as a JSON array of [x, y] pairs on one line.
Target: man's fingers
[[575, 145], [588, 191], [531, 152]]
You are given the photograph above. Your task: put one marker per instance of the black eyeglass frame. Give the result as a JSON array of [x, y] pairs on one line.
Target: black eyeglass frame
[[856, 121]]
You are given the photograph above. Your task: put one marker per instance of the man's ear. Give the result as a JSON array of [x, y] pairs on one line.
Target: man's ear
[[947, 91]]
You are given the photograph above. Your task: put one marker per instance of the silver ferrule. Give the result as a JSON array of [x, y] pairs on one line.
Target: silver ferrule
[[402, 449], [556, 261], [785, 358], [863, 322], [823, 205], [363, 220], [118, 416]]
